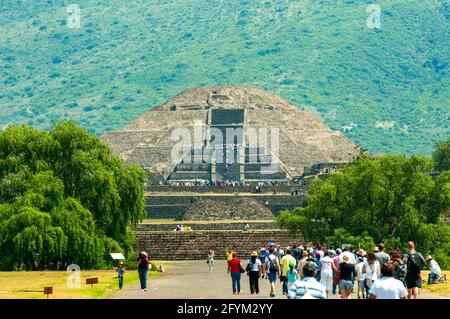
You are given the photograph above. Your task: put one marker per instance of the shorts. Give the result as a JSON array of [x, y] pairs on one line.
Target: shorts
[[272, 277], [345, 285], [413, 282]]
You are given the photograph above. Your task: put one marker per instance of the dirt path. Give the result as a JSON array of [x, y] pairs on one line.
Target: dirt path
[[191, 280]]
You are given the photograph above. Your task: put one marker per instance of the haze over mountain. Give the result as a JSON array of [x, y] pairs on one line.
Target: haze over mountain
[[387, 89]]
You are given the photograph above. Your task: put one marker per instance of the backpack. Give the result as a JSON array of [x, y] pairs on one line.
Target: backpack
[[414, 262], [400, 273], [273, 266]]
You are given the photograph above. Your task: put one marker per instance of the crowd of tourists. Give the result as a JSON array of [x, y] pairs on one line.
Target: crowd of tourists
[[182, 228], [315, 272]]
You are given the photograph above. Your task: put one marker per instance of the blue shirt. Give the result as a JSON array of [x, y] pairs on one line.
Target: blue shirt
[[292, 275], [308, 288], [120, 271]]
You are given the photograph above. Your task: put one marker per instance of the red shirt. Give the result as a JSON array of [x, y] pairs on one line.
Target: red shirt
[[234, 265]]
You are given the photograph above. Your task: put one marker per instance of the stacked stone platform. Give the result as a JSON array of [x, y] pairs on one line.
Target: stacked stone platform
[[194, 245]]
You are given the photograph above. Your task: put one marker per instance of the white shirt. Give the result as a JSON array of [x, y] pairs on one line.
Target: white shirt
[[372, 270], [326, 264], [434, 267], [388, 288], [275, 260], [308, 288], [350, 256], [255, 266], [358, 269], [321, 253]]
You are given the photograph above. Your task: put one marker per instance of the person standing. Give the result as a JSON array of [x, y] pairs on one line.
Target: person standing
[[210, 261], [143, 268], [229, 255], [326, 270], [272, 269], [435, 270], [347, 274], [399, 266], [381, 256], [254, 269], [361, 278], [336, 263], [235, 267], [308, 287], [296, 253], [302, 263], [120, 273], [414, 262], [292, 275], [388, 287], [285, 261], [371, 269]]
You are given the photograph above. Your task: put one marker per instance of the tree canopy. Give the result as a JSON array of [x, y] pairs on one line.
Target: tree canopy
[[378, 198], [441, 156], [64, 199]]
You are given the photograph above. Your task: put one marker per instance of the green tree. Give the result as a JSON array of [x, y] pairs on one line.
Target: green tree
[[64, 198], [441, 156], [374, 199]]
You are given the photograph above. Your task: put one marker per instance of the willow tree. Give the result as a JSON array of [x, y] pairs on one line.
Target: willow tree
[[64, 198]]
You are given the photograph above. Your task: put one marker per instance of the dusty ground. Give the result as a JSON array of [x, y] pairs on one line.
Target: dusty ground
[[191, 280]]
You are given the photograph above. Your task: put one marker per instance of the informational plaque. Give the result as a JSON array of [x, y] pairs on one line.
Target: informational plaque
[[117, 256], [92, 281]]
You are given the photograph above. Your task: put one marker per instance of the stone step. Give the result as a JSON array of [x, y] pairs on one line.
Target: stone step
[[194, 245]]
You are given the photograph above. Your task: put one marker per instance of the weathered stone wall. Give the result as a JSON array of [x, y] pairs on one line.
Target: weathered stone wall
[[225, 189], [168, 245], [232, 208], [159, 207], [208, 226]]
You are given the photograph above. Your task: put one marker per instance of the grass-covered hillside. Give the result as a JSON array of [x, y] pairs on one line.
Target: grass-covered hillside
[[387, 89]]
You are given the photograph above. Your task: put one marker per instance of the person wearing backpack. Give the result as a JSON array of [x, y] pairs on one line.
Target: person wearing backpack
[[400, 266], [414, 262], [272, 269]]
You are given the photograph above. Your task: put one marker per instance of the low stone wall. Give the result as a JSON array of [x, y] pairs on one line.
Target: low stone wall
[[233, 208], [186, 200], [169, 245], [162, 207], [224, 189], [165, 212], [207, 226]]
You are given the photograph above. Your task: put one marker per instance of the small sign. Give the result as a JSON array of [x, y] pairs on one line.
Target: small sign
[[48, 291], [91, 281], [117, 256]]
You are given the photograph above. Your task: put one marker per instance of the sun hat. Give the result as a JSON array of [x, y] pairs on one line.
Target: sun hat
[[428, 257], [254, 254], [345, 259], [143, 253], [121, 263], [376, 249], [362, 252]]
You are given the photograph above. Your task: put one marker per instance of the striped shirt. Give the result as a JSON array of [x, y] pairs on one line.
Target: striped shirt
[[308, 288]]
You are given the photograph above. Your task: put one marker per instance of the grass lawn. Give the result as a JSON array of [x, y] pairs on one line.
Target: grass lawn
[[438, 289], [30, 285]]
